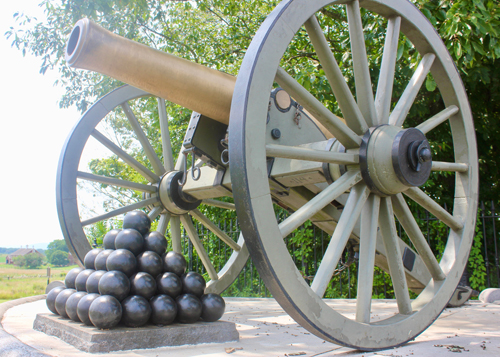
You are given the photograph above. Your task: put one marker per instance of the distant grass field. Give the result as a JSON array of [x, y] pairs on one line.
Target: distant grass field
[[16, 282]]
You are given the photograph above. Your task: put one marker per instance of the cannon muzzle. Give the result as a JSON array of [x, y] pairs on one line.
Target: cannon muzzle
[[191, 85]]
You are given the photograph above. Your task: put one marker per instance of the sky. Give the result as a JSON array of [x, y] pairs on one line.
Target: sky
[[33, 129]]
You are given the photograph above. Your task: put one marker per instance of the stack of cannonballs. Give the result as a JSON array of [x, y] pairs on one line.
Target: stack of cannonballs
[[134, 281]]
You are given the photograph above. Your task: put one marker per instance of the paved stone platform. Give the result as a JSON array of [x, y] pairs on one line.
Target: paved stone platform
[[91, 339], [266, 330]]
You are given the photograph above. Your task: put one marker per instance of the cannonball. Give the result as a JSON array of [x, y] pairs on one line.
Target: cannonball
[[108, 241], [89, 259], [81, 279], [193, 283], [163, 309], [136, 311], [92, 286], [212, 307], [137, 220], [72, 304], [150, 262], [105, 312], [122, 260], [69, 280], [156, 242], [130, 239], [169, 284], [102, 257], [61, 299], [82, 309], [188, 308], [175, 263], [114, 283], [51, 299], [143, 284]]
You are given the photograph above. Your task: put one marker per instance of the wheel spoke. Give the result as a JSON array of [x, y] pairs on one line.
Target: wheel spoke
[[200, 217], [116, 182], [146, 145], [367, 247], [220, 204], [348, 219], [401, 110], [437, 119], [168, 158], [163, 223], [345, 100], [410, 226], [364, 91], [330, 121], [312, 207], [449, 166], [435, 209], [198, 245], [175, 231], [155, 212], [394, 258], [387, 69], [144, 171], [180, 161], [300, 153], [121, 210]]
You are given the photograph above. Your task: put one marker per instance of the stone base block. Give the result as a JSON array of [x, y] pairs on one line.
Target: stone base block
[[91, 339], [489, 295]]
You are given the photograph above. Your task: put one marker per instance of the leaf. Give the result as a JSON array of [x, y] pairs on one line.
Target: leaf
[[430, 84]]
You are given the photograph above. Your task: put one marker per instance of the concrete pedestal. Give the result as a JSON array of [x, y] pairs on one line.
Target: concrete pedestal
[[91, 339]]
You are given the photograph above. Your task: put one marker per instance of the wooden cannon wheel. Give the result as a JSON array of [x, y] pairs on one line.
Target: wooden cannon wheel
[[385, 162], [69, 197]]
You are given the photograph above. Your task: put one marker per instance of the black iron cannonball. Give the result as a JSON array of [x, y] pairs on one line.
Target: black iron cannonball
[[137, 220], [92, 286], [81, 279], [175, 263], [69, 280], [108, 241], [163, 310], [51, 299], [72, 304], [89, 259], [122, 260], [61, 299], [136, 311], [102, 258], [105, 312], [156, 242], [169, 284], [212, 307], [130, 239], [114, 283], [193, 283], [82, 309], [150, 262], [188, 308], [143, 284]]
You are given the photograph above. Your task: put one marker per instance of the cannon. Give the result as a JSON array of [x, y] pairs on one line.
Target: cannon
[[263, 139]]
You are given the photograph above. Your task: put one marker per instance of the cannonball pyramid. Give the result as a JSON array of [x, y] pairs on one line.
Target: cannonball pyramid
[[134, 281]]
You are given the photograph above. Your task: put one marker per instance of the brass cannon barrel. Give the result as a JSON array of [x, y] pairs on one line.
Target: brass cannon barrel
[[180, 81]]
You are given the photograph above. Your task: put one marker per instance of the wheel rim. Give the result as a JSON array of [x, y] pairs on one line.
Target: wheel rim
[[68, 196], [254, 200]]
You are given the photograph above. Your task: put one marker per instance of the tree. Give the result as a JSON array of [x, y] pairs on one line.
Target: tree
[[59, 258], [30, 261], [54, 246]]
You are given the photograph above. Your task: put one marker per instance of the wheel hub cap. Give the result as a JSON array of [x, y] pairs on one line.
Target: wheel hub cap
[[172, 197], [393, 159]]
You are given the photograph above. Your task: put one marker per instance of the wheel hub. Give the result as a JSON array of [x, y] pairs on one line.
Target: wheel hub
[[172, 197], [393, 159]]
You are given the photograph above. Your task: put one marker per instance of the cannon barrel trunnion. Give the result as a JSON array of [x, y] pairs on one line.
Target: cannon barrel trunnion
[[265, 142]]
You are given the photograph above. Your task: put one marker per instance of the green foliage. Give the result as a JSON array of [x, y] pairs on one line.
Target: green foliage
[[30, 261], [59, 258], [54, 246]]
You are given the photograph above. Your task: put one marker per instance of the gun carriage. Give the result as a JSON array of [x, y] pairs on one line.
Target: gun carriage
[[266, 141]]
